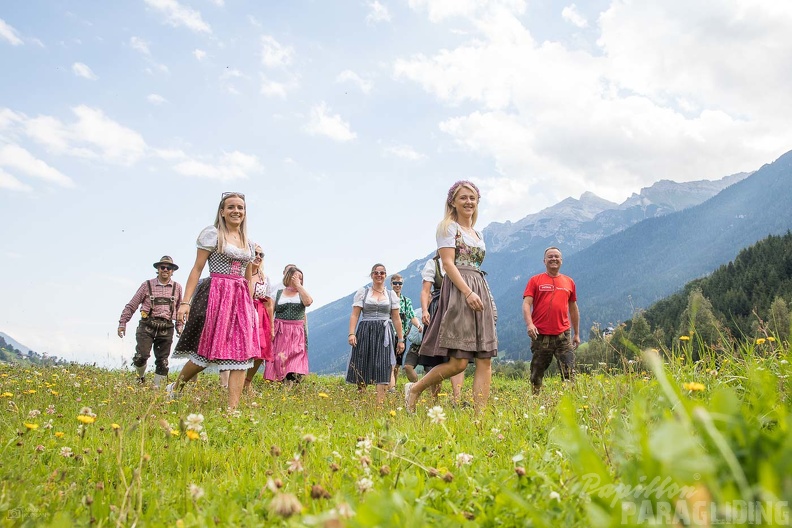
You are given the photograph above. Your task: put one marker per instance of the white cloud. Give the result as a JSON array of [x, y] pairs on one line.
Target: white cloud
[[137, 43], [350, 76], [274, 54], [231, 166], [218, 3], [572, 14], [16, 157], [7, 181], [179, 15], [405, 152], [323, 123], [438, 10], [10, 34], [92, 136], [156, 99], [199, 54], [82, 70], [272, 88], [558, 120], [377, 13]]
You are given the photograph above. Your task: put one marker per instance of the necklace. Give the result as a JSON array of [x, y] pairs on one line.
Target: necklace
[[379, 291]]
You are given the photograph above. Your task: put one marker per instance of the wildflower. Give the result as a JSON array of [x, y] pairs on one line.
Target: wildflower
[[694, 386], [309, 438], [204, 436], [39, 448], [195, 422], [192, 435], [520, 471], [87, 411], [448, 476], [554, 495], [684, 338], [761, 341], [385, 471], [59, 434], [34, 413], [84, 418], [318, 492], [436, 414], [463, 459], [196, 492], [54, 393], [31, 425], [771, 339], [174, 432], [323, 395], [66, 452], [294, 464], [285, 505], [48, 424], [8, 395], [275, 451], [51, 409], [364, 484], [115, 426], [392, 413]]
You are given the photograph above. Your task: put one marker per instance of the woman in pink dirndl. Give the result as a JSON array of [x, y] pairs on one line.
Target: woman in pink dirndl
[[289, 346], [220, 318], [260, 286]]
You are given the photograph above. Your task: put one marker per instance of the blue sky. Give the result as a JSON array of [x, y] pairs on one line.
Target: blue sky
[[344, 123]]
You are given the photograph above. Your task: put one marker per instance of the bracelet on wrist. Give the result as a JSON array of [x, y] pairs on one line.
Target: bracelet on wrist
[[187, 303], [350, 335], [469, 294]]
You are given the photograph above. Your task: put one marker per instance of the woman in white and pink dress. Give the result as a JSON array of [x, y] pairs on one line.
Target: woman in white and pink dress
[[220, 322], [260, 286]]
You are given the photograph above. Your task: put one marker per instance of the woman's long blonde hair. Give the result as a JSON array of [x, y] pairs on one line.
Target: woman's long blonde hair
[[450, 212], [222, 229]]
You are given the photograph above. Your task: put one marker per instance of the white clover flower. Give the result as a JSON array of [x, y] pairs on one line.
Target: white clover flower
[[463, 459], [364, 484], [196, 492], [194, 422], [554, 495], [436, 414], [365, 445], [34, 413], [66, 452]]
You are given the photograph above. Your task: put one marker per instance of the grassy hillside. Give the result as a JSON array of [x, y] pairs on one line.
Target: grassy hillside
[[83, 446]]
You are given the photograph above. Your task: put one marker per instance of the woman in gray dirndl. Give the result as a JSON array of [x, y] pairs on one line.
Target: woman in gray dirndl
[[463, 328], [375, 334]]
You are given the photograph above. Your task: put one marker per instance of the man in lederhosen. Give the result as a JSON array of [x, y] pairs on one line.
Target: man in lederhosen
[[159, 300]]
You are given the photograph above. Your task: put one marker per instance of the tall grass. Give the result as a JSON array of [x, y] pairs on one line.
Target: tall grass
[[668, 442]]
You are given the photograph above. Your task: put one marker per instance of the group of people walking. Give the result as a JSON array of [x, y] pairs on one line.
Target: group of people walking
[[235, 320]]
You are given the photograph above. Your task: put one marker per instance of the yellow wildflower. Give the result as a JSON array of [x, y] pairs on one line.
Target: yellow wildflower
[[192, 435], [771, 339], [31, 425], [115, 426], [760, 341], [59, 434], [684, 338], [175, 432], [54, 393], [323, 395], [84, 418], [393, 413], [8, 395], [694, 386]]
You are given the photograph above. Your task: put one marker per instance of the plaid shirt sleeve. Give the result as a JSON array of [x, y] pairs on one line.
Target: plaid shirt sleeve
[[132, 305]]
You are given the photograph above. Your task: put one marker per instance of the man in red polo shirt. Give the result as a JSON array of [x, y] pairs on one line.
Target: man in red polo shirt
[[549, 305]]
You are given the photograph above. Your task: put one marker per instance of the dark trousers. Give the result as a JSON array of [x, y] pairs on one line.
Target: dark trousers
[[544, 348], [148, 336]]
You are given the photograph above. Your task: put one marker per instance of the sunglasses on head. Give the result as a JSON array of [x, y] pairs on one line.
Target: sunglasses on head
[[165, 268], [397, 283], [379, 273], [227, 194]]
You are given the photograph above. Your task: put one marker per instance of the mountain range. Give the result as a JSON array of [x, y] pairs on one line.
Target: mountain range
[[622, 256]]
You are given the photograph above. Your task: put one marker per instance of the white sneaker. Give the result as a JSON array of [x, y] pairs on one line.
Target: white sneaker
[[170, 389]]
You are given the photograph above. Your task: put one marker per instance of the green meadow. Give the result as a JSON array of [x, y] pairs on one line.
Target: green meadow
[[662, 441]]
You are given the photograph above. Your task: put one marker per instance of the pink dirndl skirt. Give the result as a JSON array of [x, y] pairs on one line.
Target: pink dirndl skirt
[[264, 329], [230, 330], [290, 355]]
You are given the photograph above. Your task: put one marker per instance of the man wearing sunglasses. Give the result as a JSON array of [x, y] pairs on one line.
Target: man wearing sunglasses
[[159, 299]]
